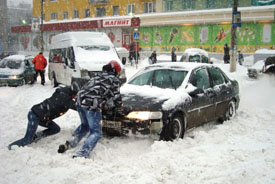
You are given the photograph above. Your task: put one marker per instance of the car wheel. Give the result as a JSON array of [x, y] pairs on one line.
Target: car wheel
[[231, 110], [23, 82], [174, 129], [54, 81]]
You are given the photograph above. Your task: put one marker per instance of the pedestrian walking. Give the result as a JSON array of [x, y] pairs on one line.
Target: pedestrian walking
[[226, 57], [153, 57], [40, 64], [173, 55]]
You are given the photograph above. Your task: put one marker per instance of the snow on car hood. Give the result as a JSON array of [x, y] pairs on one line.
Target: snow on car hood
[[258, 65], [93, 60], [8, 71], [153, 98]]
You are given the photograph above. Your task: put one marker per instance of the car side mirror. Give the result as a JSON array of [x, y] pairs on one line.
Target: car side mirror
[[27, 63], [195, 92], [124, 60]]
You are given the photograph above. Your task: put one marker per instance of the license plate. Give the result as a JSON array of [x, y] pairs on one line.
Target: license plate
[[111, 124]]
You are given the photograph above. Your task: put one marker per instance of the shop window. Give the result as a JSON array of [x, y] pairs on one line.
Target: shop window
[[87, 12], [115, 10], [54, 16], [130, 8], [149, 7], [65, 15], [100, 12], [76, 14]]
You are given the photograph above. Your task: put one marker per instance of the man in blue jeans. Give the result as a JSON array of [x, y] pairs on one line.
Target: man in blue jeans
[[100, 92]]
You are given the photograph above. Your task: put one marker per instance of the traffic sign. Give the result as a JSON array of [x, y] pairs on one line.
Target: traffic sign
[[136, 36]]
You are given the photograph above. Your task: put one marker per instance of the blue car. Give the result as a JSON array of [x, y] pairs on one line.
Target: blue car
[[16, 70]]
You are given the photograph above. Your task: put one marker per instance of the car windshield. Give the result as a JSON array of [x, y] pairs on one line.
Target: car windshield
[[95, 47], [162, 78], [12, 64], [195, 58]]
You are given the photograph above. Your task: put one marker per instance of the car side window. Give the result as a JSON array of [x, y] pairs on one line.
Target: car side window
[[57, 56], [200, 79], [204, 59], [216, 76]]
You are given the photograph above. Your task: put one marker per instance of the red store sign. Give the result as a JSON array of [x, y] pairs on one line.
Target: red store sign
[[117, 23]]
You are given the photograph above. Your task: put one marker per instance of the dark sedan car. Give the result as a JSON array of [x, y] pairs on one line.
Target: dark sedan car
[[170, 98], [16, 70]]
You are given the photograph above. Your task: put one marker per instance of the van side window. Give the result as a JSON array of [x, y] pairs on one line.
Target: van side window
[[71, 57], [57, 56]]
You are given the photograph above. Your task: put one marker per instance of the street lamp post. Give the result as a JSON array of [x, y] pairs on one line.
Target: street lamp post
[[233, 39], [41, 27]]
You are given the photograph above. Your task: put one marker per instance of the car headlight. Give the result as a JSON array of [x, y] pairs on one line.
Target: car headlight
[[144, 115], [14, 76]]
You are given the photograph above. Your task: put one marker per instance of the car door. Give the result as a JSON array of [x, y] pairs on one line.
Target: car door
[[29, 71], [222, 88], [202, 107]]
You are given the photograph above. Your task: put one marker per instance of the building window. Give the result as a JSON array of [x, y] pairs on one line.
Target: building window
[[149, 7], [76, 14], [188, 4], [169, 6], [91, 1], [115, 10], [210, 4], [54, 16], [87, 12], [130, 8], [100, 12], [65, 15], [53, 0]]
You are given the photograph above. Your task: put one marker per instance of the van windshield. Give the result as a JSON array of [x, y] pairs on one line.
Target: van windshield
[[95, 47]]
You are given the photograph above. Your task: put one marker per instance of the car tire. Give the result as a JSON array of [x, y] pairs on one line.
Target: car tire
[[23, 82], [54, 81], [231, 110], [174, 129]]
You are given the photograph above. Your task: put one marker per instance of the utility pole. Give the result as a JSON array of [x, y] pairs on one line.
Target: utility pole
[[233, 38], [41, 27], [4, 26]]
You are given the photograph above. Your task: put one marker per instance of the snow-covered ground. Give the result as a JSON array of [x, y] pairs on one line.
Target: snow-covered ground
[[239, 151]]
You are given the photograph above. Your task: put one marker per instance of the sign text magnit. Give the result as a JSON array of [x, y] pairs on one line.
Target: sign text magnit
[[116, 23]]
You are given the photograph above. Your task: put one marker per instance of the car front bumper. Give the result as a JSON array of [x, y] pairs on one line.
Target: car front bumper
[[134, 126]]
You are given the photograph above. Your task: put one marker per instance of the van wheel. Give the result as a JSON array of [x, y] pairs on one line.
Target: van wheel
[[54, 81]]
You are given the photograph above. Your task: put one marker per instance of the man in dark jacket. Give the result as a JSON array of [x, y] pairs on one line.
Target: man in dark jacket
[[173, 55], [43, 114], [226, 56], [153, 57], [100, 93]]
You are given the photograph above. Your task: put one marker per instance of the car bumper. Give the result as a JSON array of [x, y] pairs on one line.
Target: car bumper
[[134, 126], [10, 82]]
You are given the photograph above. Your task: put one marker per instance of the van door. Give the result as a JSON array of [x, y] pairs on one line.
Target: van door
[[57, 65], [70, 65]]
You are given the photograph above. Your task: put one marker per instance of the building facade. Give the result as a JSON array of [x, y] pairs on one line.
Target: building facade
[[162, 24]]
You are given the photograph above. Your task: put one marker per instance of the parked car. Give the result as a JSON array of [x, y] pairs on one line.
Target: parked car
[[170, 98], [266, 66], [123, 54], [195, 55], [16, 70]]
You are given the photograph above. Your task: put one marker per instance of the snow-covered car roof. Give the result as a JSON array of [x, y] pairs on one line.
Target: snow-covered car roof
[[16, 57], [195, 51], [121, 49], [258, 65], [265, 51]]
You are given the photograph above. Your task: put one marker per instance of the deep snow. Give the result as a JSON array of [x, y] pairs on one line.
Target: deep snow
[[239, 151]]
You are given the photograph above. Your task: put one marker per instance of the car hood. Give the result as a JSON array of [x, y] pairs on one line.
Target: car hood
[[8, 71], [152, 98], [138, 102]]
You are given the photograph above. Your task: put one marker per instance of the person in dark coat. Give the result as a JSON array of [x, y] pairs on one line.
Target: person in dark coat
[[240, 57], [101, 92], [45, 112], [226, 57], [173, 55], [153, 57]]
